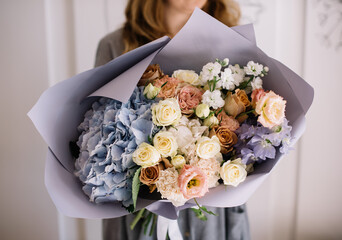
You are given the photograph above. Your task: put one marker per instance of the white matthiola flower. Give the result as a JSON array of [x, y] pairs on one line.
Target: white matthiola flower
[[237, 73], [213, 99], [209, 71], [227, 80], [253, 68], [256, 83]]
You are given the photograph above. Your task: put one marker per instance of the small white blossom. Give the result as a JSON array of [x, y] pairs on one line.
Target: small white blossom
[[213, 99], [209, 71], [253, 68], [237, 73], [227, 80], [256, 83]]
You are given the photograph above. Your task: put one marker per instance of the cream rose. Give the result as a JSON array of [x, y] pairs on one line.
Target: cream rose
[[233, 172], [202, 110], [188, 76], [208, 147], [166, 144], [271, 108], [178, 161], [146, 155], [167, 112], [150, 91]]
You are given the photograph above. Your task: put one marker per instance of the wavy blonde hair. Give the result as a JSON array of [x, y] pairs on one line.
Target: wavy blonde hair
[[145, 19]]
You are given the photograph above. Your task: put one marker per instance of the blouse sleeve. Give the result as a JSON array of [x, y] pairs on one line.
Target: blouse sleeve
[[109, 47]]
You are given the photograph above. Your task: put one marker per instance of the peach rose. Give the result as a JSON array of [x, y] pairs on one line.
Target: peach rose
[[227, 121], [227, 138], [152, 73], [233, 105], [188, 98], [256, 95], [169, 86], [271, 109], [192, 182]]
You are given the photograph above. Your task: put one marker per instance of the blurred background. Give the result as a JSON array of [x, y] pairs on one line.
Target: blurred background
[[46, 41]]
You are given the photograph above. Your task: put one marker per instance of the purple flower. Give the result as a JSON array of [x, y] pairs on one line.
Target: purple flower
[[262, 147]]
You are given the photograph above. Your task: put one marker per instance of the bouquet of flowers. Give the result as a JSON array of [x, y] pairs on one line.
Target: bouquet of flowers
[[181, 135], [161, 141]]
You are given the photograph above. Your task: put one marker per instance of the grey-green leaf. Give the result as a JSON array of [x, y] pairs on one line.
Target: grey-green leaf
[[135, 187]]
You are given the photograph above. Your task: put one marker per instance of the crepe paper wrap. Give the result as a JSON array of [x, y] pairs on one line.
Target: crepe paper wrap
[[61, 109]]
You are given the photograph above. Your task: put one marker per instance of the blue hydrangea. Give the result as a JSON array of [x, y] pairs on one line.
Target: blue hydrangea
[[257, 143], [110, 133]]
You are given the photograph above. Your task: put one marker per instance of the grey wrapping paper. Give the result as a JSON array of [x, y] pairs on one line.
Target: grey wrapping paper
[[61, 108]]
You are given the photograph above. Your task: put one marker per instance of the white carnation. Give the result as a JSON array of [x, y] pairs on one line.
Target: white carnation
[[237, 73], [213, 99], [227, 80], [167, 185], [209, 71], [253, 68], [256, 83]]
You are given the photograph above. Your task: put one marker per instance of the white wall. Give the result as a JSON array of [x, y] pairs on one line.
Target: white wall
[[26, 209], [53, 39]]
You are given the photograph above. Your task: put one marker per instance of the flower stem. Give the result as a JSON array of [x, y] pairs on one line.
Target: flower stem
[[244, 113], [137, 218]]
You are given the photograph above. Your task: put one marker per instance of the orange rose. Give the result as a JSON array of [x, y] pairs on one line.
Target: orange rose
[[149, 175], [241, 94], [227, 138], [151, 73], [233, 105]]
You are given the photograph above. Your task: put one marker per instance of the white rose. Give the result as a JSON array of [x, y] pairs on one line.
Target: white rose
[[150, 91], [166, 144], [208, 147], [166, 112], [233, 172], [202, 110], [211, 121], [178, 161], [146, 155], [188, 76]]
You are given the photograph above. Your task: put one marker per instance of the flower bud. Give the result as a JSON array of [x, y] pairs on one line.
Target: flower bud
[[211, 121], [178, 161], [202, 110], [150, 91]]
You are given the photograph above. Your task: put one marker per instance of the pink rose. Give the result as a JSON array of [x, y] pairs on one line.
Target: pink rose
[[169, 86], [188, 98], [271, 109], [256, 95], [192, 182]]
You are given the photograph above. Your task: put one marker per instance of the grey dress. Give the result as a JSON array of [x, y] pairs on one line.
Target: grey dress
[[230, 224]]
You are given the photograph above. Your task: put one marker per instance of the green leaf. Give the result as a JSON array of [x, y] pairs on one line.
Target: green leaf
[[199, 214], [129, 209], [135, 187], [163, 84], [149, 138], [147, 222], [207, 211]]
